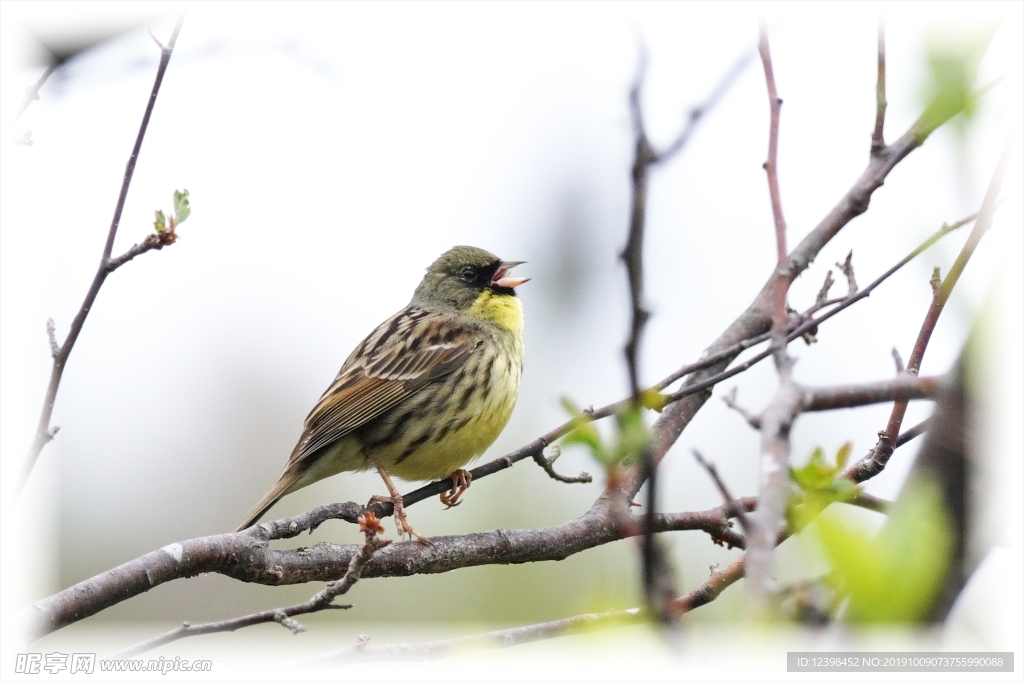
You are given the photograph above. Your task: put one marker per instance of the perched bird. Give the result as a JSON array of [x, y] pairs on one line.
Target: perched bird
[[426, 392]]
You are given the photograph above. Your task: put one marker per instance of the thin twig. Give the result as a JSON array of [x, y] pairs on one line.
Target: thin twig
[[43, 435], [363, 651], [730, 400], [656, 576], [883, 449], [813, 323], [877, 137], [730, 502], [32, 94], [912, 433], [847, 269], [546, 463], [898, 361], [322, 600]]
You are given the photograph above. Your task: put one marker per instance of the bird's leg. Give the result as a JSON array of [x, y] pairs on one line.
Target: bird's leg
[[461, 480], [401, 522]]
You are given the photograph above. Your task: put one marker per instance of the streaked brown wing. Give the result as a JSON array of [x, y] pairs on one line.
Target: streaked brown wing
[[400, 357]]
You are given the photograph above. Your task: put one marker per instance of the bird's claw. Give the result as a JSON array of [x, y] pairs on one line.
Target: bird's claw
[[461, 481]]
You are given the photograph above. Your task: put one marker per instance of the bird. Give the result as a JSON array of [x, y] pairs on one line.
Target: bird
[[428, 391]]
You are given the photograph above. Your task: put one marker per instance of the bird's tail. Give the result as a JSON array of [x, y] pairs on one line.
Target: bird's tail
[[284, 485]]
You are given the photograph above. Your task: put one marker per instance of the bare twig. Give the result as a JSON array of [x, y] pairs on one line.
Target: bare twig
[[546, 463], [43, 432], [904, 387], [847, 269], [709, 590], [898, 360], [877, 137], [912, 433], [730, 502], [322, 600], [32, 94], [656, 574], [822, 298], [730, 400], [808, 326], [883, 449], [499, 639], [154, 241], [803, 328]]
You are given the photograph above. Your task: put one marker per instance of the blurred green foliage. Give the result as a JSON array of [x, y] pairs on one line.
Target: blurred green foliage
[[892, 577], [951, 87]]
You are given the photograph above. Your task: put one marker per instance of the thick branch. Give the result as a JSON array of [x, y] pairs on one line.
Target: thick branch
[[43, 431], [324, 599], [248, 557]]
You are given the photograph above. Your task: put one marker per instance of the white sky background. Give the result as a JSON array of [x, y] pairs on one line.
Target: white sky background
[[332, 151]]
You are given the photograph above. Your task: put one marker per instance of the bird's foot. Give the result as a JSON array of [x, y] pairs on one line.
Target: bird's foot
[[461, 481], [402, 525]]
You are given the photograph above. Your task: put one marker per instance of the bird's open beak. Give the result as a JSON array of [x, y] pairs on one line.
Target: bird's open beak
[[502, 279]]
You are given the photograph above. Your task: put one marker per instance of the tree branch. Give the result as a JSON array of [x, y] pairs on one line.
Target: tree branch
[[322, 600], [44, 433], [778, 417], [247, 557], [904, 387]]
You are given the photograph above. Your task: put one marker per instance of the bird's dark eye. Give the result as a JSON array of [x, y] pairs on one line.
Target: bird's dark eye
[[468, 275]]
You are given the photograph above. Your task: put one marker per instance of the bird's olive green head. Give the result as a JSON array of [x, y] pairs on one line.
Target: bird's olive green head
[[457, 279]]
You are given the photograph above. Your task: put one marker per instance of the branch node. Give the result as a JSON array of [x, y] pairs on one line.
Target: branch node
[[936, 279]]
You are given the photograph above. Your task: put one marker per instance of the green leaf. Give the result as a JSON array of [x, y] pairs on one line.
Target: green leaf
[[819, 485], [161, 222], [894, 576], [182, 210]]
